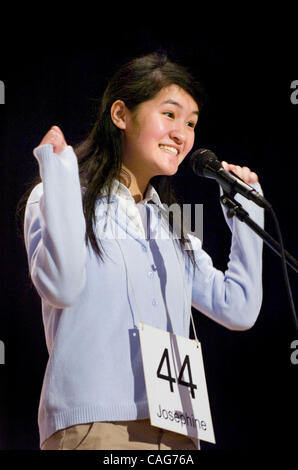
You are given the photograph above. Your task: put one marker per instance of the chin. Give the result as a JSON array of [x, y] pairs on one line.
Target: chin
[[166, 173], [169, 171]]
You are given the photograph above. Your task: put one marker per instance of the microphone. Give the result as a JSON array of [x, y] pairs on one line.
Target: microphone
[[205, 163]]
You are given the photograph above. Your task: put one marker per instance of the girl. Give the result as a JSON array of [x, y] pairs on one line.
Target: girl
[[99, 265]]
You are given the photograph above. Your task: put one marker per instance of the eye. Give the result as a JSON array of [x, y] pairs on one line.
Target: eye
[[170, 114], [191, 124]]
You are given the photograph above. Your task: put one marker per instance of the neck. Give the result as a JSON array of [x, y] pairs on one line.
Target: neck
[[136, 185]]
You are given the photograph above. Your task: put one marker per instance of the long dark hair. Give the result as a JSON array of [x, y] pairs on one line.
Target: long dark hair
[[100, 154]]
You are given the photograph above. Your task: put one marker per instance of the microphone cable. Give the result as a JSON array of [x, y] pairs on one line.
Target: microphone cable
[[285, 270]]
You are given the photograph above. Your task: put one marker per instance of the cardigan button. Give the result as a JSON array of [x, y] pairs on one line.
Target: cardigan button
[[154, 303]]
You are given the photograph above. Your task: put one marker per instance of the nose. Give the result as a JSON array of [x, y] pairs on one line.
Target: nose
[[178, 135]]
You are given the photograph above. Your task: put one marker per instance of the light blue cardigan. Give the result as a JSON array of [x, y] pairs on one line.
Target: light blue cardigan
[[90, 315]]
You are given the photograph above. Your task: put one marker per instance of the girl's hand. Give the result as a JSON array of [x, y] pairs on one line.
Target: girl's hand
[[56, 138], [243, 172]]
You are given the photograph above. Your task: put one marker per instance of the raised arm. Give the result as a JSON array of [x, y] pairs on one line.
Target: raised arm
[[54, 226], [233, 298]]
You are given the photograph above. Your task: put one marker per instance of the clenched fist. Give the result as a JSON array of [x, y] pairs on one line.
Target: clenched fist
[[56, 138]]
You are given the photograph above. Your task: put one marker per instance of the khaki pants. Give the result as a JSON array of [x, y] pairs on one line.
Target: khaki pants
[[119, 435]]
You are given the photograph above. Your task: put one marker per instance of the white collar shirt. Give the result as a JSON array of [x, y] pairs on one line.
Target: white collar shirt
[[136, 212]]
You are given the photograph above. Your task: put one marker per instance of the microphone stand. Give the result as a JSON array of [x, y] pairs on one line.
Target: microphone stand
[[235, 209]]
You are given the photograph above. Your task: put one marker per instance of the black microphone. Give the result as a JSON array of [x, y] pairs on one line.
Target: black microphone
[[205, 163]]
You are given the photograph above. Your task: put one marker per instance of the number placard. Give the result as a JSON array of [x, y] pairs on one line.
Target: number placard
[[175, 383]]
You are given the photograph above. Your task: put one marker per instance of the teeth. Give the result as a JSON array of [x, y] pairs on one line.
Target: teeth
[[170, 149]]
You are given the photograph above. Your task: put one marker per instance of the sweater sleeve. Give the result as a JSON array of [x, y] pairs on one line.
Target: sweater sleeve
[[54, 228], [233, 298]]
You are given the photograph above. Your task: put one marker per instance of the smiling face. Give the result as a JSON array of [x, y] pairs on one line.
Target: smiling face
[[160, 133]]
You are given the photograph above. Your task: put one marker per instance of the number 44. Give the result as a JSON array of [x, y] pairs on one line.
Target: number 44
[[170, 379]]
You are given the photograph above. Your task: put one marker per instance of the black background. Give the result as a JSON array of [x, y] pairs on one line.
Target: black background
[[248, 120]]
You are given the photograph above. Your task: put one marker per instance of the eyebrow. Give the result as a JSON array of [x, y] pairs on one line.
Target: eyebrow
[[170, 101]]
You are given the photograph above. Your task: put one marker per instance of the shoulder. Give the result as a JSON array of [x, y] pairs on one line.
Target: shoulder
[[35, 194], [194, 243]]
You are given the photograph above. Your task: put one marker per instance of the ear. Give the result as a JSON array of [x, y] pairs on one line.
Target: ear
[[119, 114]]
